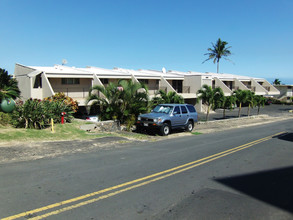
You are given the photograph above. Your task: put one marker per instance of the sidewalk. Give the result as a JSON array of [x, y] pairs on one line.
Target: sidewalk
[[226, 124]]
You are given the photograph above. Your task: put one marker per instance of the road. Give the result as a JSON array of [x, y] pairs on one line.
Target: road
[[237, 174]]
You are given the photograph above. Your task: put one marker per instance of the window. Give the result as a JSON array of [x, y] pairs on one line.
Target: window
[[191, 108], [176, 110], [184, 110], [70, 81], [105, 81], [145, 81]]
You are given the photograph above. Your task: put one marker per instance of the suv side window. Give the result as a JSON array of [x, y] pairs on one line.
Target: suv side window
[[176, 110], [191, 108], [184, 110]]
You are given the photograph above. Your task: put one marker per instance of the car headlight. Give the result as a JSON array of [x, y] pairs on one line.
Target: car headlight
[[138, 118], [157, 120]]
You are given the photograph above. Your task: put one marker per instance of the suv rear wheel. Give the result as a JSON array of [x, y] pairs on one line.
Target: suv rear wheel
[[165, 129], [189, 126]]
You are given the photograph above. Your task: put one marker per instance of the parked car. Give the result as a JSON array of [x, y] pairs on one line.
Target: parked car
[[165, 117], [93, 118]]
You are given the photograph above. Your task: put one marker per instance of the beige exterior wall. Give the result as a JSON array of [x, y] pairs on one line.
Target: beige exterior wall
[[240, 85], [74, 91], [222, 85], [165, 84], [24, 85]]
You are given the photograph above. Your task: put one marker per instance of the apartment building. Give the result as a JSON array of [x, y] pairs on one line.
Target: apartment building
[[286, 92], [40, 82]]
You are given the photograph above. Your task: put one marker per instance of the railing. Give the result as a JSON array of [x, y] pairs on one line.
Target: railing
[[73, 92]]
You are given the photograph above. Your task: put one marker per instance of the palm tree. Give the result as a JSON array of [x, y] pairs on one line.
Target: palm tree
[[164, 97], [124, 100], [277, 82], [8, 86], [134, 99], [109, 101], [218, 51], [259, 101], [241, 97], [250, 100], [210, 97], [228, 103]]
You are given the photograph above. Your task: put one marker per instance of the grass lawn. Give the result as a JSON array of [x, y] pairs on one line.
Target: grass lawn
[[68, 131]]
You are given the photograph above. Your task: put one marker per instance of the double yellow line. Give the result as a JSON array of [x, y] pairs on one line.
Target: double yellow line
[[131, 184]]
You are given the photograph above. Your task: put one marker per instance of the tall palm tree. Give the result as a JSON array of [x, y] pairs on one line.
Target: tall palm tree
[[218, 51], [259, 102], [164, 97], [241, 97], [210, 97], [277, 82], [228, 103], [250, 101]]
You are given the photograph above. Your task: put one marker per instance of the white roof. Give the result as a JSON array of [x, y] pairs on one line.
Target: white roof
[[65, 71], [223, 76], [59, 69]]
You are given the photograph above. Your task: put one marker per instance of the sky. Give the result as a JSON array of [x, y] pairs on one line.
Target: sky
[[150, 34]]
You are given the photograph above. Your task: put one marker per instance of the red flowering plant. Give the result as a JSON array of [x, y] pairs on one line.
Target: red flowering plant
[[63, 98]]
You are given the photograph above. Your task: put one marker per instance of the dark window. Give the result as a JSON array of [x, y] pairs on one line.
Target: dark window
[[191, 108], [105, 81], [38, 82], [177, 85], [145, 81], [176, 110], [184, 110], [70, 81]]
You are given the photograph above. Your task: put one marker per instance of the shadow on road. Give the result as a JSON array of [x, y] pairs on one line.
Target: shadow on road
[[286, 137], [274, 187]]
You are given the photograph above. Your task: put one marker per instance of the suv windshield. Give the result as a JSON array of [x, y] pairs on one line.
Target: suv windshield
[[163, 109]]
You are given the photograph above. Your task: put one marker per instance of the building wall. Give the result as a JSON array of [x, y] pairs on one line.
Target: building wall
[[80, 90], [24, 83]]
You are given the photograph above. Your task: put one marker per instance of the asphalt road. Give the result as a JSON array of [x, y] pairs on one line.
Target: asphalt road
[[237, 174]]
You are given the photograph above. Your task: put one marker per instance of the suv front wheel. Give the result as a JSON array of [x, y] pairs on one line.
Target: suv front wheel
[[189, 126], [165, 129]]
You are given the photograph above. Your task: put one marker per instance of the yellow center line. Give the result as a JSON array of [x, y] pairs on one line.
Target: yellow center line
[[171, 172]]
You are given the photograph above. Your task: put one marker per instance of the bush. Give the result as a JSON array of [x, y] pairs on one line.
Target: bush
[[61, 97], [37, 114], [5, 118]]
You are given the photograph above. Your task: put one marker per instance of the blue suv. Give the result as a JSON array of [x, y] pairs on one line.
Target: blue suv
[[165, 117]]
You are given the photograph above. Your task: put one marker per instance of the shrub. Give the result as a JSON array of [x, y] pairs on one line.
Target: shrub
[[61, 97], [5, 118], [37, 114]]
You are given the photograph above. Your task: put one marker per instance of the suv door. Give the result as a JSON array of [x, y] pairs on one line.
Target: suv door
[[176, 120], [184, 115]]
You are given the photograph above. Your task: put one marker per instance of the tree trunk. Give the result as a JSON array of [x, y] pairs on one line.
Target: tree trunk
[[248, 110], [224, 113], [258, 110], [239, 110], [208, 112], [218, 66]]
